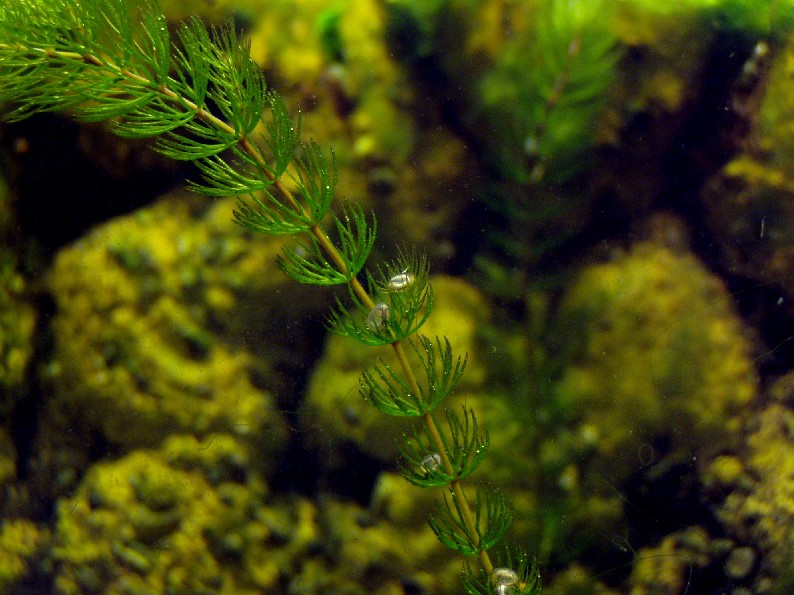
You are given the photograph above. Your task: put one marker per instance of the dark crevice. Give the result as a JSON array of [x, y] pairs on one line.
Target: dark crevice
[[61, 193], [26, 412]]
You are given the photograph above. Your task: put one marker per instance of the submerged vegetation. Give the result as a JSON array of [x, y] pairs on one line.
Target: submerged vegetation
[[567, 200], [205, 101]]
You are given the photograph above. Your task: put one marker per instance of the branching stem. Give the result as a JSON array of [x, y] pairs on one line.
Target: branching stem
[[455, 488]]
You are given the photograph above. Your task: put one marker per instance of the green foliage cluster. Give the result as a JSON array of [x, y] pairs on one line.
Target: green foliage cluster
[[204, 100], [537, 81], [534, 78], [546, 89]]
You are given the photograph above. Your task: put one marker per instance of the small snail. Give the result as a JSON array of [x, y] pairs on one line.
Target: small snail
[[378, 317], [430, 463], [504, 580], [400, 281]]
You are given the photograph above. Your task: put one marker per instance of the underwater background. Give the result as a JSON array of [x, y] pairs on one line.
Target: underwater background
[[605, 191]]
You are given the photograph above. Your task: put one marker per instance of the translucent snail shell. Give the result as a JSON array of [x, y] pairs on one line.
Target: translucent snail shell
[[400, 281], [504, 580], [430, 463], [378, 317]]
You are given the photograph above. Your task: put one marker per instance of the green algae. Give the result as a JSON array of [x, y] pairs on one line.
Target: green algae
[[23, 544], [660, 352], [137, 523], [761, 506], [141, 343]]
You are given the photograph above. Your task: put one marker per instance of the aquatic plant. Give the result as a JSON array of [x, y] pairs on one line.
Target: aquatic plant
[[203, 100], [547, 87], [544, 94]]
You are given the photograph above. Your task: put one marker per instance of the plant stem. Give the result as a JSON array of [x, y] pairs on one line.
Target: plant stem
[[455, 488]]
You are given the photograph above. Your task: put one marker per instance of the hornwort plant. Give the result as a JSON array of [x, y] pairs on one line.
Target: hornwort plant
[[204, 100]]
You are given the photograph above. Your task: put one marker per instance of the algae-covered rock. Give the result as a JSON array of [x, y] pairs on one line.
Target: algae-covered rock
[[668, 567], [17, 325], [188, 518], [334, 412], [750, 202], [23, 547], [372, 555], [656, 356], [649, 370], [761, 507], [191, 517], [142, 525], [167, 325]]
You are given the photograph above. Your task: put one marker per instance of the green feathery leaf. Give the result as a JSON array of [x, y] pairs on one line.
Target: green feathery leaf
[[390, 393], [492, 517], [309, 263], [269, 215], [104, 60], [245, 173], [315, 179], [356, 238], [284, 135], [314, 175], [547, 90], [401, 308], [516, 571], [431, 358], [464, 446]]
